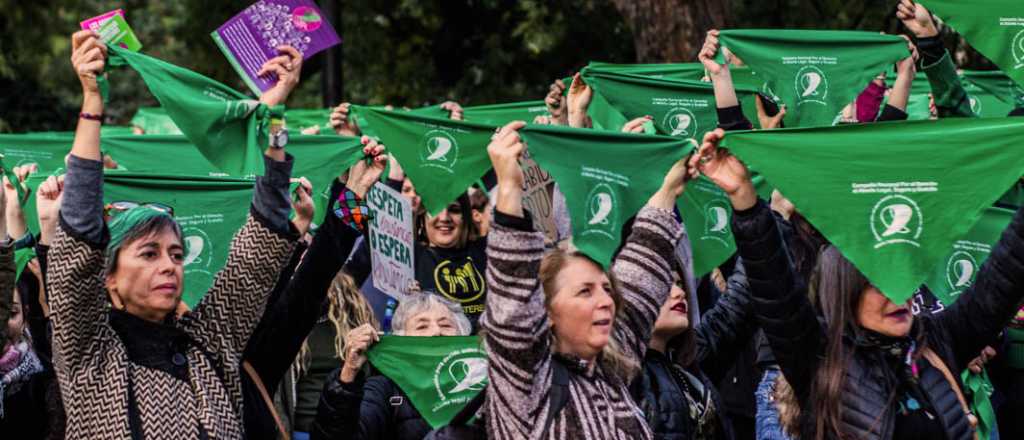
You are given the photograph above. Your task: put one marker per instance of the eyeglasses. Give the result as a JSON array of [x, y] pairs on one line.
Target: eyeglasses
[[118, 207]]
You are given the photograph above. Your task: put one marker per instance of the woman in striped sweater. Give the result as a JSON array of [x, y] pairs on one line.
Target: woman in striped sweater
[[563, 308]]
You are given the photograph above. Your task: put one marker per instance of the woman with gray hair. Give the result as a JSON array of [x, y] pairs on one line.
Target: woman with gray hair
[[356, 407]]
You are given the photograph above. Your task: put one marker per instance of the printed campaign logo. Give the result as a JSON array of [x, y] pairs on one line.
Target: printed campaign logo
[[459, 282], [716, 220], [767, 91], [459, 374], [601, 215], [198, 251], [961, 269], [439, 150], [239, 108], [811, 85], [1018, 50], [896, 219], [306, 19], [680, 122], [976, 106]]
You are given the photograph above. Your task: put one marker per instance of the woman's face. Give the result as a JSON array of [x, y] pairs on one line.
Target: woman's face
[[877, 313], [673, 318], [16, 323], [147, 280], [443, 230], [436, 321], [582, 310], [409, 192]]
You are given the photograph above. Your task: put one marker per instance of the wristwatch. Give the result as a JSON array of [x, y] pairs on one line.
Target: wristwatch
[[278, 135]]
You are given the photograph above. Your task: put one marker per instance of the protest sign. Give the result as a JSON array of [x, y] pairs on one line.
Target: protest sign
[[113, 29], [439, 374], [898, 215], [538, 187], [251, 38], [391, 240]]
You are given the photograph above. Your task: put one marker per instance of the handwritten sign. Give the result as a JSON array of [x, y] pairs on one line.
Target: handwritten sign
[[537, 189], [391, 240]]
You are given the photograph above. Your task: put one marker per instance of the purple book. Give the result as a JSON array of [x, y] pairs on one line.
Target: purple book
[[250, 38]]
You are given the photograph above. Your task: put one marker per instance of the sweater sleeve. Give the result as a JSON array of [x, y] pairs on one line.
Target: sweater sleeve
[[82, 206], [988, 306], [779, 298], [643, 270], [732, 119], [951, 98], [225, 318], [289, 320], [517, 331]]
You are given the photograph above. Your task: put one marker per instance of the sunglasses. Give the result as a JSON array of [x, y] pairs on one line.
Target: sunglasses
[[114, 208]]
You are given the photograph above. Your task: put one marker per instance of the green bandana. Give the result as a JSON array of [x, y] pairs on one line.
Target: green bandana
[[501, 114], [984, 104], [21, 259], [707, 214], [46, 150], [299, 119], [209, 210], [367, 127], [442, 157], [998, 85], [682, 108], [230, 130], [122, 223], [689, 71], [895, 216], [440, 374], [919, 101], [815, 73], [979, 388], [993, 27], [154, 120], [957, 271], [609, 178]]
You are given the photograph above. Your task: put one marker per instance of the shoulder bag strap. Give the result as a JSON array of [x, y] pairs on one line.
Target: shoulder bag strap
[[266, 398]]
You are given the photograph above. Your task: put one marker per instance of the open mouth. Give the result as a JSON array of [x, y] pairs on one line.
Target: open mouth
[[602, 323], [680, 307], [901, 313]]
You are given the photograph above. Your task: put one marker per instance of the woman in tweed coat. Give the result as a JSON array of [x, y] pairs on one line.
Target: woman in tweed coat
[[564, 308], [138, 370]]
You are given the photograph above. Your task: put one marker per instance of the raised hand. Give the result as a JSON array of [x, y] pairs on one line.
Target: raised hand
[[505, 149], [89, 57], [908, 65], [725, 170], [303, 205], [48, 199], [288, 68], [916, 18], [357, 342], [363, 175], [454, 110], [555, 102], [16, 226], [709, 51], [672, 186], [578, 101], [636, 125], [768, 122], [342, 121]]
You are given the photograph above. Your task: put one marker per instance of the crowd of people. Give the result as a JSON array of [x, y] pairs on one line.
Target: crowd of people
[[786, 340]]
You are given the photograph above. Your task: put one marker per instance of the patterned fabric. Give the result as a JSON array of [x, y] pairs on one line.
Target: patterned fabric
[[518, 338], [17, 365], [352, 210], [98, 381]]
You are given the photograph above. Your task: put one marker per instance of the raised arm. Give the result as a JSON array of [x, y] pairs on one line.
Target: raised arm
[[225, 318], [951, 98], [643, 267], [730, 111], [779, 296], [906, 69], [724, 330]]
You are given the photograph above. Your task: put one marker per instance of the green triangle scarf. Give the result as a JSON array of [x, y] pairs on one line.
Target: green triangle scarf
[[814, 73], [956, 272], [893, 197], [993, 27], [439, 374]]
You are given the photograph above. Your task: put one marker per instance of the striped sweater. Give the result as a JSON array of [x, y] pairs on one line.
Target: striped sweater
[[518, 338]]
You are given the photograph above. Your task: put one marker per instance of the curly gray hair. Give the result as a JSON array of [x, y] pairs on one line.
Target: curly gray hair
[[417, 303]]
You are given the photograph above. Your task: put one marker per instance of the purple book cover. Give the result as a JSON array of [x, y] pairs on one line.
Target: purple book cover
[[250, 38]]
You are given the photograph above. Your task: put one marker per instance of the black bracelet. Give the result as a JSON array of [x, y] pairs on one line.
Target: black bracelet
[[91, 117]]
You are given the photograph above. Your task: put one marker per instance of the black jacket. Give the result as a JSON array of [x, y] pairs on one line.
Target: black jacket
[[373, 408], [798, 338], [293, 308]]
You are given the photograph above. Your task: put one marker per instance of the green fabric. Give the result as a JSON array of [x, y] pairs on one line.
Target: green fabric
[[299, 119], [442, 157], [320, 158], [210, 211], [46, 150], [1014, 197], [707, 214], [997, 84], [439, 375], [690, 71], [606, 178], [154, 120], [116, 130], [978, 388], [919, 101], [367, 127], [951, 100], [228, 128], [897, 215], [1015, 353], [815, 73], [984, 104], [122, 223], [993, 27], [956, 272], [11, 177], [501, 114], [21, 260], [683, 108]]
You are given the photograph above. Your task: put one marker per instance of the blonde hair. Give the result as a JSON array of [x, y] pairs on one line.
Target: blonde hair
[[612, 358], [347, 309]]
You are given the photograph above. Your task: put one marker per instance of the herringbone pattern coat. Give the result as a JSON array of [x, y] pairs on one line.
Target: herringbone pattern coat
[[101, 386]]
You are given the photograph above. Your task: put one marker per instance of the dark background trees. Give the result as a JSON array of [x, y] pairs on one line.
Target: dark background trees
[[401, 52]]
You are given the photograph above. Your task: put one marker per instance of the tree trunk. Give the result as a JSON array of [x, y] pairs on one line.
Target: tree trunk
[[671, 30]]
